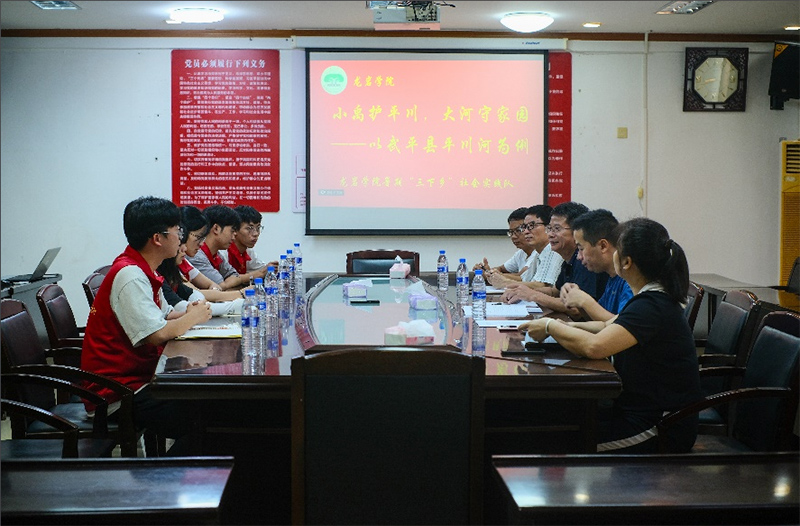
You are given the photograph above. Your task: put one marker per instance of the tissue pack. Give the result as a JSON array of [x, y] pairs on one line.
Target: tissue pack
[[399, 270], [422, 301], [417, 332], [354, 290]]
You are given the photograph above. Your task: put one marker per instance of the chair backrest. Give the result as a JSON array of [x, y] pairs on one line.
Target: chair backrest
[[387, 435], [59, 320], [732, 329], [20, 345], [91, 285], [379, 261], [693, 301], [765, 424], [103, 270]]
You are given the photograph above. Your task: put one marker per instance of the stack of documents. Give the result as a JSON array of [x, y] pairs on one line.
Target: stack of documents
[[218, 327]]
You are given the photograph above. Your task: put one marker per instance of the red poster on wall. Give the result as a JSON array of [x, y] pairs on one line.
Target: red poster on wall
[[559, 129], [225, 128]]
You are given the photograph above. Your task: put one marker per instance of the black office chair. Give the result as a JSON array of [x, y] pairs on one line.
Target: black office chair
[[67, 445], [59, 319], [728, 343], [766, 404], [379, 261], [694, 299], [387, 435], [91, 285], [23, 353]]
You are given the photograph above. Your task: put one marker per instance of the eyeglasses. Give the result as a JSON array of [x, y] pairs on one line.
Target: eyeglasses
[[179, 233], [531, 225], [198, 237], [518, 230], [556, 229], [254, 229]]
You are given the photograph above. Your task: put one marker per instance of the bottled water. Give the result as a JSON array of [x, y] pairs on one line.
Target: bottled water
[[478, 340], [261, 303], [249, 325], [462, 283], [478, 296], [284, 305], [441, 272], [273, 312], [300, 284], [292, 282]]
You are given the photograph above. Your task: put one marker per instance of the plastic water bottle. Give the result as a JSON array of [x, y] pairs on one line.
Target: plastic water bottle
[[300, 284], [250, 325], [273, 311], [261, 303], [462, 283], [441, 272], [284, 305], [478, 340], [478, 296], [292, 283]]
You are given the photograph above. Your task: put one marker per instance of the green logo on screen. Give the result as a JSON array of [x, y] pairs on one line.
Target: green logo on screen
[[334, 80]]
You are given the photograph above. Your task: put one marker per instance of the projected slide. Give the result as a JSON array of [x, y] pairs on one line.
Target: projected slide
[[423, 142]]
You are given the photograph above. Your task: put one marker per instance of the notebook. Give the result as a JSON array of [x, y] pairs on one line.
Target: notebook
[[41, 268]]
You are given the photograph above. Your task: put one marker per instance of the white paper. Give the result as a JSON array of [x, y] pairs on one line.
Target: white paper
[[494, 290], [221, 327], [506, 310], [510, 324]]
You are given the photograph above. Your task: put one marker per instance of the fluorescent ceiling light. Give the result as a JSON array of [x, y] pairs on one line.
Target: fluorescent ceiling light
[[195, 15], [56, 5], [792, 28], [683, 8], [526, 22], [591, 24]]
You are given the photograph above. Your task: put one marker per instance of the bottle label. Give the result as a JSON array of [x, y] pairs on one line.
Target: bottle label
[[478, 294], [442, 268], [462, 280], [245, 322]]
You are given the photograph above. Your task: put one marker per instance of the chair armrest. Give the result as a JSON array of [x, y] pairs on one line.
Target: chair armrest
[[100, 420], [70, 342], [70, 431], [715, 400], [728, 370], [62, 355], [711, 360]]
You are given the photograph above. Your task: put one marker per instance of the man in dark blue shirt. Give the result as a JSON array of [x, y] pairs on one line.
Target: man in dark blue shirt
[[559, 233]]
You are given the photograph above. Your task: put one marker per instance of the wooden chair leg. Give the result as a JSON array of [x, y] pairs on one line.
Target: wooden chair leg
[[154, 445]]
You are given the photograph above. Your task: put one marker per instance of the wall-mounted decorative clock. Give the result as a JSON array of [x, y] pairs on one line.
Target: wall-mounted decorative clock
[[715, 79]]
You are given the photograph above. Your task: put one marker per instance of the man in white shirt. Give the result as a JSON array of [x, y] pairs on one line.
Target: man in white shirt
[[518, 262]]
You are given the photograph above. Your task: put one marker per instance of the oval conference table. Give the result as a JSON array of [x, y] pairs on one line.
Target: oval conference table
[[534, 404]]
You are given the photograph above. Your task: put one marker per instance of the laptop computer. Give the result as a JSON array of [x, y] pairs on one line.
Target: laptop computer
[[40, 270]]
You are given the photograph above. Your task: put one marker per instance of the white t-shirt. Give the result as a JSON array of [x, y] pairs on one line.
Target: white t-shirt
[[517, 262], [547, 267], [133, 305]]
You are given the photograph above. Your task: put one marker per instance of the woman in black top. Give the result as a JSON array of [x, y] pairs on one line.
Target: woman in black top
[[650, 341]]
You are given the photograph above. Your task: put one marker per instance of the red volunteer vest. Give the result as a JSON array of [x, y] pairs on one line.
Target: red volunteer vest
[[237, 259], [107, 350]]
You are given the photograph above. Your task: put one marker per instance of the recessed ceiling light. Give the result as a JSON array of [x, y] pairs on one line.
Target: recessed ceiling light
[[795, 27], [683, 8], [526, 22], [592, 24], [56, 5], [195, 15]]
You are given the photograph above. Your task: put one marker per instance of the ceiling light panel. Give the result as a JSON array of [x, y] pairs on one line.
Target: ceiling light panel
[[64, 6], [683, 8]]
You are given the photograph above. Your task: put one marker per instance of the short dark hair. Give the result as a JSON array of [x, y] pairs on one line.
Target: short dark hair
[[518, 214], [248, 214], [569, 211], [193, 219], [543, 212], [146, 216], [596, 225], [657, 257], [223, 216]]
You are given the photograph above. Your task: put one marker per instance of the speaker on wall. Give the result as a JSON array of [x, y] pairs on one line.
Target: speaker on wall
[[784, 80]]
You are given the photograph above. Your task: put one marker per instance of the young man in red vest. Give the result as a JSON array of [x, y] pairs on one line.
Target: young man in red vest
[[130, 321]]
